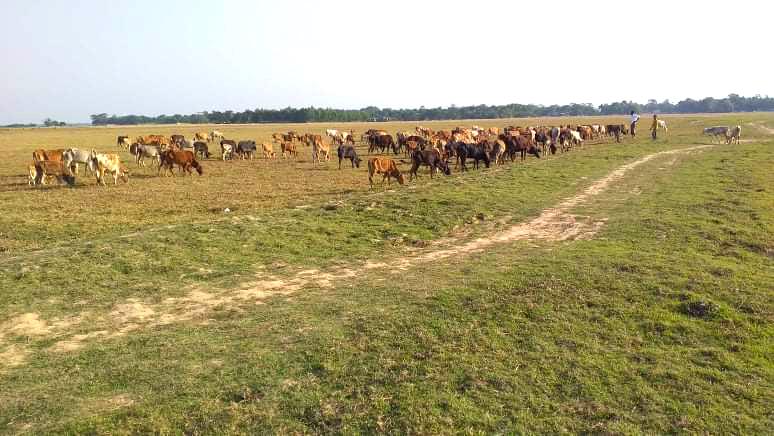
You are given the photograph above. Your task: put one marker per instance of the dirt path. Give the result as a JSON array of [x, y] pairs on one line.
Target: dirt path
[[553, 224], [767, 130]]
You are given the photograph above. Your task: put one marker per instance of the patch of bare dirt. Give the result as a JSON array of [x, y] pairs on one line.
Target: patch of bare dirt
[[553, 224]]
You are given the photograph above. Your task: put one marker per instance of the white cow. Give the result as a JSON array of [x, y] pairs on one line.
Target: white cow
[[73, 156], [733, 135], [663, 125]]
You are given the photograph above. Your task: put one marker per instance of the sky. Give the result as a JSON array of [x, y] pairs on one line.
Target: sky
[[67, 59]]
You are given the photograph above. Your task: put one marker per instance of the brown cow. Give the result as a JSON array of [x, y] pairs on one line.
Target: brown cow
[[288, 149], [56, 169], [51, 155], [184, 159], [201, 136], [268, 150], [386, 166]]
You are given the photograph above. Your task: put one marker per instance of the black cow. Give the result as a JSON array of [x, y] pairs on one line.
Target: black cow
[[430, 157], [383, 142], [200, 148], [348, 152], [477, 152], [246, 149]]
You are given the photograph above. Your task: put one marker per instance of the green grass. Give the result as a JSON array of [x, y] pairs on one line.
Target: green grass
[[593, 336]]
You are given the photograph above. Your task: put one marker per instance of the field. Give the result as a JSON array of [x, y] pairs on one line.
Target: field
[[617, 288]]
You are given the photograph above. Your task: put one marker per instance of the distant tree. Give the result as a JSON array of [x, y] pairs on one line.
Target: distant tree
[[48, 122]]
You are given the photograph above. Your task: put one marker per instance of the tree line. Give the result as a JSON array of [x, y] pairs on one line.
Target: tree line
[[733, 103]]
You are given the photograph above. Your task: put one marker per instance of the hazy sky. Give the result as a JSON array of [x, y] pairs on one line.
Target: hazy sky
[[67, 59]]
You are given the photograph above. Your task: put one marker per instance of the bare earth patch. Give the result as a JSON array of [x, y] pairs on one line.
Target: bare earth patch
[[553, 224]]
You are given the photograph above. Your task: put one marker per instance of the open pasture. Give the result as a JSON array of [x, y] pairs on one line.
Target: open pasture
[[320, 305]]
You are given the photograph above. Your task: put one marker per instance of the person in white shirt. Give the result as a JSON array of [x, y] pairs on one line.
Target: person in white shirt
[[635, 118]]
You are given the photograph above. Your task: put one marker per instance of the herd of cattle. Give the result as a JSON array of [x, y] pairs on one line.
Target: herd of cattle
[[422, 147]]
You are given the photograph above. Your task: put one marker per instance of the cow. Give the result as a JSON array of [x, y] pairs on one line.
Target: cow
[[109, 163], [159, 140], [140, 152], [122, 142], [430, 157], [348, 152], [201, 136], [577, 138], [386, 166], [520, 144], [55, 169], [320, 149], [177, 140], [201, 148], [288, 150], [734, 134], [616, 130], [227, 148], [542, 139], [73, 156], [716, 132], [215, 135], [268, 150], [332, 133], [33, 174], [497, 152], [246, 149], [50, 155], [186, 144], [661, 124], [184, 159], [464, 151], [383, 142]]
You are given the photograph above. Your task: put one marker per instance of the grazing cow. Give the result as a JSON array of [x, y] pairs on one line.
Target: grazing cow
[[430, 157], [50, 155], [109, 163], [288, 149], [663, 125], [122, 142], [186, 144], [348, 152], [268, 150], [320, 150], [577, 138], [616, 130], [140, 152], [716, 132], [201, 136], [734, 134], [520, 144], [386, 166], [227, 148], [184, 159], [201, 148], [73, 156], [477, 152], [55, 169], [247, 149]]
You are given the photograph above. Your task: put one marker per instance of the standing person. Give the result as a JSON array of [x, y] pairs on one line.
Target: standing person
[[654, 127], [635, 118]]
